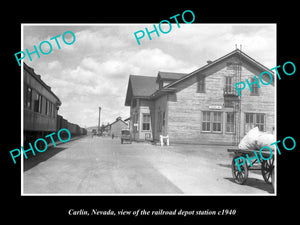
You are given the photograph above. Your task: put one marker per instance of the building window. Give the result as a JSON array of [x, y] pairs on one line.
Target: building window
[[212, 121], [228, 85], [205, 121], [49, 110], [254, 87], [230, 122], [28, 98], [146, 121], [201, 85], [255, 120], [260, 121], [38, 103], [249, 124], [217, 122]]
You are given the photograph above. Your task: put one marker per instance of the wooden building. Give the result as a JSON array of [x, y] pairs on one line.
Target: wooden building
[[138, 95], [116, 127], [203, 106]]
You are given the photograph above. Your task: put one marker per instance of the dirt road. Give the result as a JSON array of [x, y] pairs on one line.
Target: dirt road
[[103, 166]]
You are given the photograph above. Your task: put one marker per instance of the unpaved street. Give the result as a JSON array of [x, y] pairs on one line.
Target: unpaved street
[[103, 166]]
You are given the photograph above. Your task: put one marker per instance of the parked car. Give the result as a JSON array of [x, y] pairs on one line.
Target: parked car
[[125, 136]]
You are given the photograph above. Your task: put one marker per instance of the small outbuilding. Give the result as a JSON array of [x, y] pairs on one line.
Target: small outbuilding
[[116, 127]]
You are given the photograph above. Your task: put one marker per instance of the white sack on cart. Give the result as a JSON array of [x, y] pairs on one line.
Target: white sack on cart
[[250, 140], [255, 140], [265, 139]]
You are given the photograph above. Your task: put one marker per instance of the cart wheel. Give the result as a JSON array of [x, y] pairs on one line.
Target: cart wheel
[[239, 177], [267, 169]]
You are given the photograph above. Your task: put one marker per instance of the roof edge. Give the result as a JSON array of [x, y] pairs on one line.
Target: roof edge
[[236, 51], [30, 70]]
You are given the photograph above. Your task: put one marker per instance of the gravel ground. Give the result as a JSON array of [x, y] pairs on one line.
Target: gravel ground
[[104, 166]]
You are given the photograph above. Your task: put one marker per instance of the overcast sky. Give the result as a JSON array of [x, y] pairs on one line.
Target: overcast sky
[[94, 70]]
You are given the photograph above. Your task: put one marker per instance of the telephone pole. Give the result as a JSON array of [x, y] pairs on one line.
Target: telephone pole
[[99, 121]]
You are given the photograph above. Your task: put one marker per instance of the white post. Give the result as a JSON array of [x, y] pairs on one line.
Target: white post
[[161, 140]]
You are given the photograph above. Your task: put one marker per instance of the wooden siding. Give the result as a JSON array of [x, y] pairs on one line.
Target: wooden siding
[[35, 121], [143, 107], [117, 127]]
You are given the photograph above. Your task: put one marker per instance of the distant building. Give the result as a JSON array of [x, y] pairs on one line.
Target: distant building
[[116, 127], [203, 106]]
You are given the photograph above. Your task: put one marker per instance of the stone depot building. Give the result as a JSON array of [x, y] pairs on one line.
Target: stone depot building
[[202, 107]]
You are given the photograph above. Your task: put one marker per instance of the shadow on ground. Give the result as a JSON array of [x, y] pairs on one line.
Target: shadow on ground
[[41, 157], [256, 183], [252, 182], [255, 169]]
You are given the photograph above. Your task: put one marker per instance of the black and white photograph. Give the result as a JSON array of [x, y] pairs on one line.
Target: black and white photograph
[[163, 117], [128, 114]]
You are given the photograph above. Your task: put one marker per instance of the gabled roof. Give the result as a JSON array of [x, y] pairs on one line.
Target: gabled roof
[[139, 86], [172, 86], [116, 121], [171, 76], [127, 119]]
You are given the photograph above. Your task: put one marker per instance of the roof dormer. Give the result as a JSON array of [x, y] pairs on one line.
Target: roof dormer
[[165, 78]]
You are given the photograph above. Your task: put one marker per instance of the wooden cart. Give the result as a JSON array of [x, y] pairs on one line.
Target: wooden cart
[[267, 166]]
